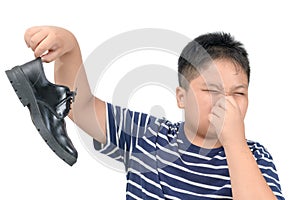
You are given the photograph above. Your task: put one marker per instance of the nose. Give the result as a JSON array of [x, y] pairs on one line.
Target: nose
[[219, 97]]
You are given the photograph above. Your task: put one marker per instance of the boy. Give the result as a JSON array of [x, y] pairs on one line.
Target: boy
[[205, 157]]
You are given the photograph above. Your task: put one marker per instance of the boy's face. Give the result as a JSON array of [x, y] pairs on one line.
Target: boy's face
[[221, 78]]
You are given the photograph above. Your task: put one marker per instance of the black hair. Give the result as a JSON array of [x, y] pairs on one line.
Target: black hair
[[210, 47]]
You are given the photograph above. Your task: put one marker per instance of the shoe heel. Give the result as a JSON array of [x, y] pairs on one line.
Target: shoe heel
[[20, 84]]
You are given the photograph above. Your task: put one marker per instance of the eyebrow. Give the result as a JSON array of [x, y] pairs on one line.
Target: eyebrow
[[212, 85], [241, 86]]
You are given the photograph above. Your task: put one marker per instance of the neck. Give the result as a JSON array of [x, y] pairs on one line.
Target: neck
[[204, 139]]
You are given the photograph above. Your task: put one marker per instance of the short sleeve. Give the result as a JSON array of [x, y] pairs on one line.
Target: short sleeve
[[123, 128], [267, 168]]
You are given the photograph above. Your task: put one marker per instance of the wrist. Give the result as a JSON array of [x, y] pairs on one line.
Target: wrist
[[71, 44], [72, 54], [236, 146], [233, 138]]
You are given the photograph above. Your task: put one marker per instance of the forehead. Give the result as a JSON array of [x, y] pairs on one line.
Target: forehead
[[224, 73]]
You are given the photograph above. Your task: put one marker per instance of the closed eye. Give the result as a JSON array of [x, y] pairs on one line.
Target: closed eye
[[212, 91]]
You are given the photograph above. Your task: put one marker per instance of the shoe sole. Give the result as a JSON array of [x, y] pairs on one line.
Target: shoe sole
[[26, 95]]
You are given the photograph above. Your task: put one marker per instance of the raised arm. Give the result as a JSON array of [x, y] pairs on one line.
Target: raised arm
[[247, 181], [60, 45]]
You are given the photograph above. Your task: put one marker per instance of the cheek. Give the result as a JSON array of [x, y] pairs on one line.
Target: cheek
[[243, 105], [199, 105], [205, 104]]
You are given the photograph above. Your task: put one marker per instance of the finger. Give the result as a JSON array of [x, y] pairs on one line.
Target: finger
[[221, 103], [218, 111], [36, 39], [45, 45], [50, 56], [212, 118], [30, 32], [216, 122]]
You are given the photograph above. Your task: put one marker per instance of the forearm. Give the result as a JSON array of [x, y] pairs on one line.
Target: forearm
[[88, 112], [246, 179], [67, 66], [69, 71]]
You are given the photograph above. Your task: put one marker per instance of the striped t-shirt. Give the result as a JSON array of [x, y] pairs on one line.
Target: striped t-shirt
[[161, 163]]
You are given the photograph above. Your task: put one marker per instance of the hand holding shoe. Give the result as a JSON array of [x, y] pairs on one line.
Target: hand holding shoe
[[49, 42]]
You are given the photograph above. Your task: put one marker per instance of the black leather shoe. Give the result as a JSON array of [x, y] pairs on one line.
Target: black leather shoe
[[48, 104]]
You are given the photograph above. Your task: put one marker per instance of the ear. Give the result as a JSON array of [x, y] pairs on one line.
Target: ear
[[180, 97]]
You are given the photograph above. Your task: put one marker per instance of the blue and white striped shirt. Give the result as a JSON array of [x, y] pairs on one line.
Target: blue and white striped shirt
[[161, 163]]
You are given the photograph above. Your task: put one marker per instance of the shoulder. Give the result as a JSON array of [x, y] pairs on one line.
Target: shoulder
[[134, 120], [258, 150]]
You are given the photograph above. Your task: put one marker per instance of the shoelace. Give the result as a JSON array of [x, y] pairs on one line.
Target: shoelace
[[68, 100], [71, 95]]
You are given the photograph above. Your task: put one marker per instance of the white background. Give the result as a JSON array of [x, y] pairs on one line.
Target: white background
[[269, 30]]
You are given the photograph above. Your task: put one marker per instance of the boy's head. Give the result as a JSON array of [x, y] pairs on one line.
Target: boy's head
[[210, 67], [206, 48]]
